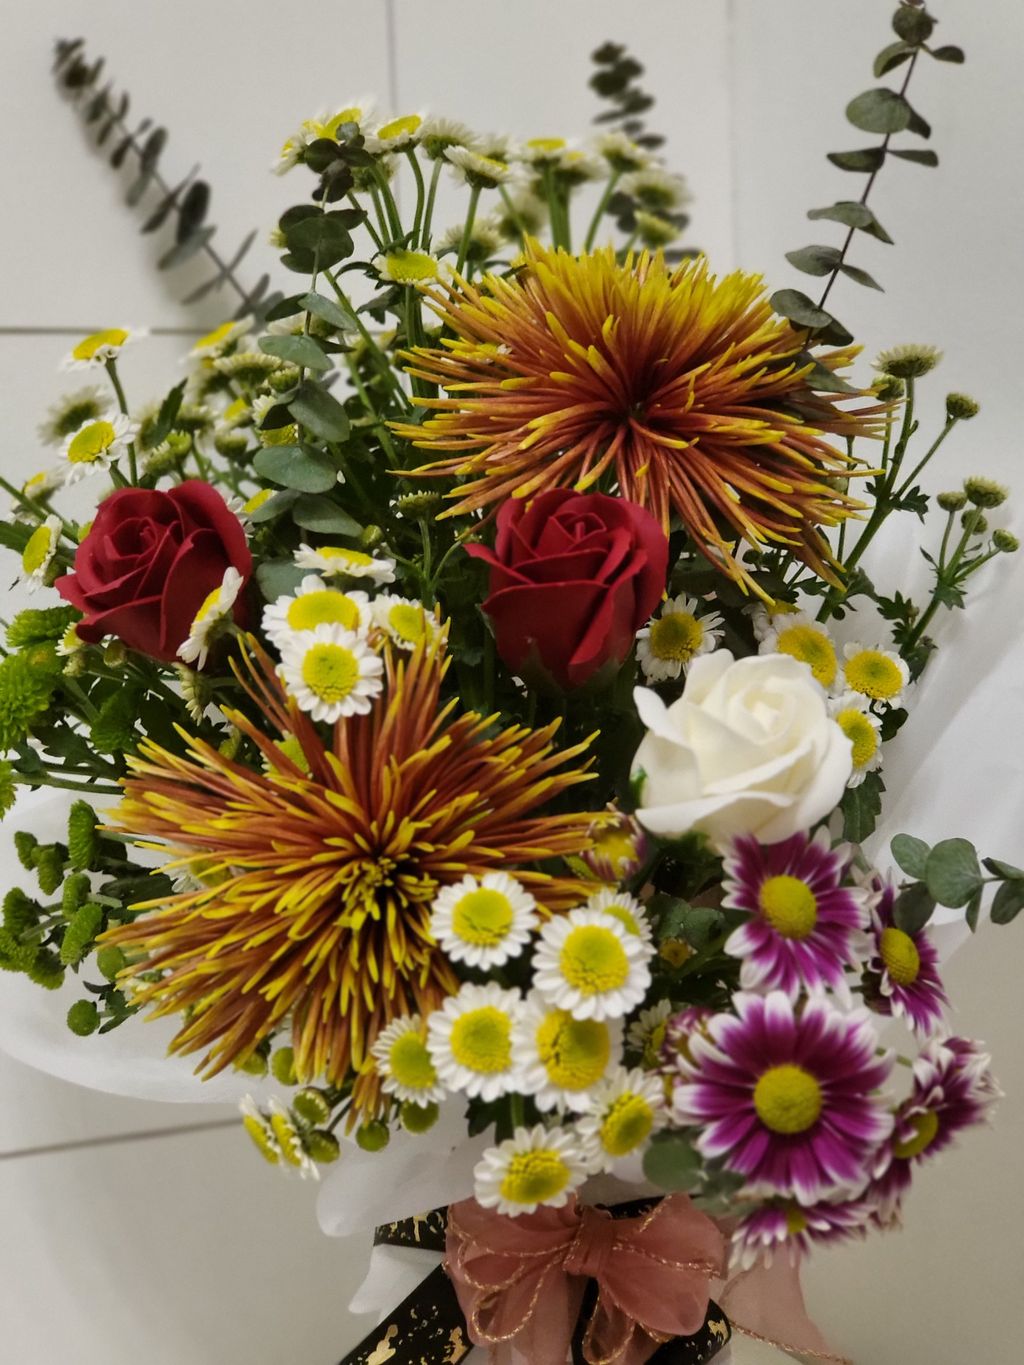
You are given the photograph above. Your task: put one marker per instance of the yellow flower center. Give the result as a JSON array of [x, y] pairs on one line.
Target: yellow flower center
[[483, 917], [546, 144], [489, 165], [628, 1123], [899, 953], [407, 621], [38, 551], [234, 412], [535, 1177], [676, 637], [340, 554], [210, 602], [482, 1040], [873, 675], [218, 335], [91, 442], [407, 125], [88, 347], [291, 748], [287, 1138], [796, 1220], [323, 607], [926, 1127], [410, 267], [789, 905], [574, 1052], [38, 483], [410, 1062], [617, 845], [625, 917], [788, 1099], [861, 733], [262, 1139], [330, 129], [331, 671], [593, 960], [258, 499], [812, 647]]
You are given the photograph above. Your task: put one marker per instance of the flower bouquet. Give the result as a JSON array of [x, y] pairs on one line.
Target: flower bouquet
[[471, 704]]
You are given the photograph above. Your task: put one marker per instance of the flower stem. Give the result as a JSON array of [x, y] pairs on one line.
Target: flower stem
[[428, 213], [115, 379], [467, 231], [595, 222]]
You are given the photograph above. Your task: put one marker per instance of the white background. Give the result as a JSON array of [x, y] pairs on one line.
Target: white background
[[130, 1239]]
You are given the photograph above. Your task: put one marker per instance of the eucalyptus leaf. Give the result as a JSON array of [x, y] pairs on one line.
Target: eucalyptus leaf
[[192, 210], [952, 872], [183, 251], [949, 53], [324, 235], [792, 304], [913, 908], [327, 309], [1008, 902], [302, 467], [922, 157], [1004, 870], [879, 111], [852, 214], [919, 125], [815, 260], [823, 379], [891, 57], [279, 578], [672, 1163], [320, 413], [275, 506], [859, 276], [297, 350], [911, 854], [865, 159], [324, 515], [973, 912]]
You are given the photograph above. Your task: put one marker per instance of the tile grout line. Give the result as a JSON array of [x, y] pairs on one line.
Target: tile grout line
[[180, 1130], [84, 331]]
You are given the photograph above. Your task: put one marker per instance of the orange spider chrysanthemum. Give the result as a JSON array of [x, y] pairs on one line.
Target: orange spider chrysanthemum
[[684, 392], [316, 875]]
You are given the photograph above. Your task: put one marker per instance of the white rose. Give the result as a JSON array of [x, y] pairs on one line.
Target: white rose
[[749, 748]]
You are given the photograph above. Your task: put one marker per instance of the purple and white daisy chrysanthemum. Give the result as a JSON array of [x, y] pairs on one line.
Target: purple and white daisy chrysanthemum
[[903, 970], [783, 1225], [805, 926], [786, 1098]]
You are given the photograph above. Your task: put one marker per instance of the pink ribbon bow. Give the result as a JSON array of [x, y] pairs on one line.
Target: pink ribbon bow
[[520, 1281]]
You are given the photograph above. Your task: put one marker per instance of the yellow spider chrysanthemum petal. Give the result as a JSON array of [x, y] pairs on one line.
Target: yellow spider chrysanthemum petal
[[684, 392], [319, 875]]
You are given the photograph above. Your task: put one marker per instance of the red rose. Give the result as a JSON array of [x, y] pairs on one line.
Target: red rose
[[149, 562], [573, 578]]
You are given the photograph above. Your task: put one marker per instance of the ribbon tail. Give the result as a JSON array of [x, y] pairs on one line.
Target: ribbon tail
[[767, 1304]]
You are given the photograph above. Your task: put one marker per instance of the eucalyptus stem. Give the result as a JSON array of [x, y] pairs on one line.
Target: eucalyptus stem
[[595, 222]]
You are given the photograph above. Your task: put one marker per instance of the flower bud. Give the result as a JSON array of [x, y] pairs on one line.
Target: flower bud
[[960, 407], [415, 505], [888, 388], [908, 362], [371, 537], [282, 1066], [311, 1105], [952, 502], [254, 1065], [373, 1136], [974, 522], [619, 847], [419, 1118], [114, 653], [232, 444], [1005, 541], [110, 961], [83, 1018], [323, 1147], [985, 492]]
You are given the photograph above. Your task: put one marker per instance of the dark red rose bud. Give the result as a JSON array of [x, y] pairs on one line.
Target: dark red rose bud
[[573, 578], [149, 562]]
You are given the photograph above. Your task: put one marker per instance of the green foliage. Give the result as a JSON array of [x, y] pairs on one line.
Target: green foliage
[[672, 1163], [913, 908], [302, 351], [952, 873], [25, 845], [911, 854], [21, 914], [110, 960], [49, 867], [879, 111], [299, 467], [83, 1018], [26, 690], [320, 413], [615, 81], [74, 893], [114, 731], [282, 1066], [861, 806], [40, 626], [83, 841], [80, 933]]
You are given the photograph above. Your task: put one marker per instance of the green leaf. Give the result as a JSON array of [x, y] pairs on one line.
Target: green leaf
[[891, 57], [913, 908], [952, 873], [700, 924], [973, 911], [297, 350], [835, 334], [925, 157], [320, 413], [168, 412], [1008, 902], [327, 309], [825, 380], [324, 235], [859, 276], [913, 23], [672, 1164], [861, 806], [274, 506], [184, 251], [949, 53], [323, 515], [879, 111], [279, 578], [792, 304], [911, 854], [1004, 870], [852, 214], [815, 260], [919, 125], [866, 159], [302, 467]]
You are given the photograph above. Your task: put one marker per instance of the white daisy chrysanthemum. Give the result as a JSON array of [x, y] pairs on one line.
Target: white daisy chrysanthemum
[[485, 239], [339, 560], [483, 922], [621, 152], [479, 169], [625, 908], [588, 963], [625, 1110], [39, 551], [396, 134], [404, 620], [535, 1166], [646, 1033], [797, 634], [402, 266], [654, 231], [70, 642], [217, 606], [99, 347], [404, 1064], [331, 672], [852, 713], [670, 642], [70, 412], [217, 341], [359, 112], [314, 603], [559, 1058], [438, 134], [38, 485], [470, 1041], [575, 166], [289, 1142], [875, 673], [541, 151], [656, 189], [97, 444]]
